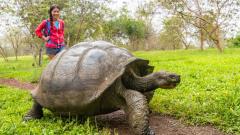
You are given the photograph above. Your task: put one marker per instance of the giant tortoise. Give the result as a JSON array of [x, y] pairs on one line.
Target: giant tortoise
[[93, 78]]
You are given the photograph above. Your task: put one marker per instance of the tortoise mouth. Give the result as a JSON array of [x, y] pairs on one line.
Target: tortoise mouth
[[170, 86], [173, 85]]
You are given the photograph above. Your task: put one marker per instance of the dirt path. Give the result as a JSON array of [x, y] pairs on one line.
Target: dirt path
[[162, 125], [17, 84]]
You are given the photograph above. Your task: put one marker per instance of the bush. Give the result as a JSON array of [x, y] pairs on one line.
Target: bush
[[235, 42]]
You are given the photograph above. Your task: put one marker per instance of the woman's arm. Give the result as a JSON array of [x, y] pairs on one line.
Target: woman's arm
[[38, 30]]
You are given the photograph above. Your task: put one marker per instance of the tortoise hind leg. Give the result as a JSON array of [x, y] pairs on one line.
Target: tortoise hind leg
[[136, 109], [36, 112]]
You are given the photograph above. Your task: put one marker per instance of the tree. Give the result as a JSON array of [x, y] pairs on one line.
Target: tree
[[146, 11], [3, 52], [84, 19], [172, 35], [15, 36], [125, 27], [220, 12]]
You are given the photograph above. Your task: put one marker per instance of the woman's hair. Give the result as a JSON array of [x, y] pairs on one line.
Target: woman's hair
[[50, 12]]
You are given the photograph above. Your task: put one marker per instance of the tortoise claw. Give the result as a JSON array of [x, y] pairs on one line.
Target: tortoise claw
[[150, 132], [33, 115]]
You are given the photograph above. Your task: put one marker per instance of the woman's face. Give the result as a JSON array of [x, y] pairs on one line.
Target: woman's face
[[56, 13]]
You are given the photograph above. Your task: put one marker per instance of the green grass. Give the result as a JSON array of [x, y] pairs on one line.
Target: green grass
[[14, 103], [22, 69], [209, 92]]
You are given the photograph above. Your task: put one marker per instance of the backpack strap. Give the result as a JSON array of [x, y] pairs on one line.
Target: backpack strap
[[48, 27], [62, 25]]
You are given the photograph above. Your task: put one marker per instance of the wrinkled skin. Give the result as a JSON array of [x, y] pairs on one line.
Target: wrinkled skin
[[127, 83]]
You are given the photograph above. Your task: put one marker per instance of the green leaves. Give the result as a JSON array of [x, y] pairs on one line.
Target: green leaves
[[126, 28], [235, 42], [172, 36]]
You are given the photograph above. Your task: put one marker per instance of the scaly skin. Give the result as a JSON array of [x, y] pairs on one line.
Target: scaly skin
[[136, 109], [36, 112], [150, 82]]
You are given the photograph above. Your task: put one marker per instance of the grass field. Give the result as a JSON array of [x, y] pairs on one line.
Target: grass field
[[209, 92], [21, 69], [14, 103]]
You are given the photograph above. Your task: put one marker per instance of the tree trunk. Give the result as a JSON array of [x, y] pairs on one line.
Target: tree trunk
[[40, 57], [34, 55], [218, 45], [132, 43], [218, 41], [201, 40], [4, 55], [16, 53], [201, 35], [68, 40], [186, 45], [146, 45]]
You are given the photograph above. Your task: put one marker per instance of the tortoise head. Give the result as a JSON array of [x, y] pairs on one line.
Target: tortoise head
[[166, 80]]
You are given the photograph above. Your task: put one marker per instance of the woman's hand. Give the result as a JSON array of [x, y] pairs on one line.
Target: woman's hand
[[45, 38]]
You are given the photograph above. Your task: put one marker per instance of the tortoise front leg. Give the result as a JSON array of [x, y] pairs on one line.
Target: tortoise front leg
[[36, 112], [136, 109], [149, 95]]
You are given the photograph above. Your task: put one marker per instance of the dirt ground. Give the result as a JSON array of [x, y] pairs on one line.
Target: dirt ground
[[161, 124], [17, 84]]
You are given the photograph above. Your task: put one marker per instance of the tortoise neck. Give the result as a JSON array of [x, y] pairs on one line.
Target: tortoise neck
[[142, 84]]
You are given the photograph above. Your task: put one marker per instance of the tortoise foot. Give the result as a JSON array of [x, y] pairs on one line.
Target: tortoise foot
[[33, 114], [36, 112]]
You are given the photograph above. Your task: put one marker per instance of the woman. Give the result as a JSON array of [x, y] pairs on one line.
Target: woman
[[52, 32]]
